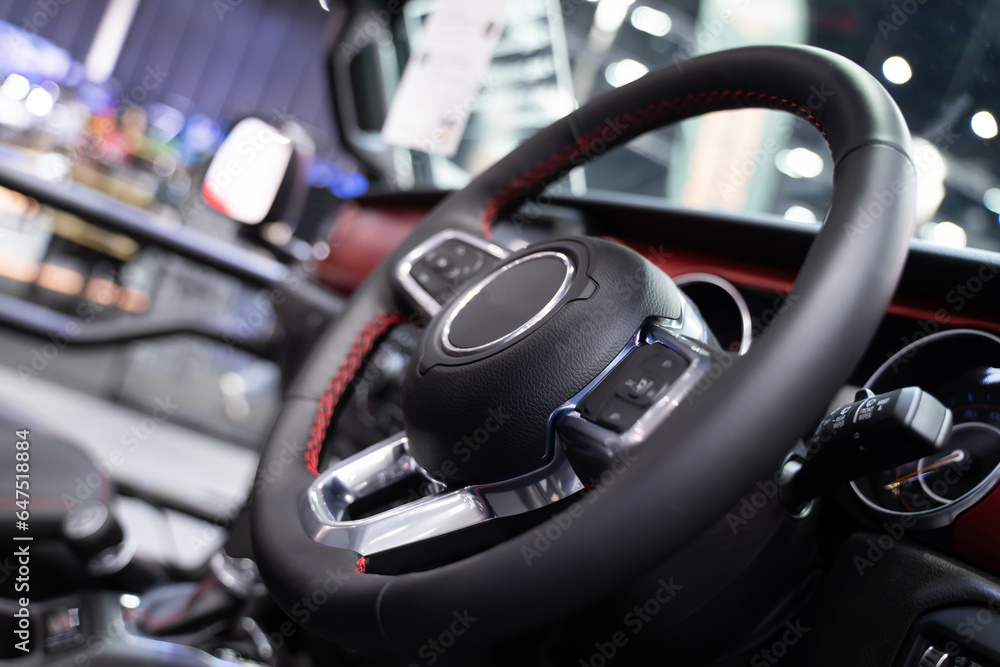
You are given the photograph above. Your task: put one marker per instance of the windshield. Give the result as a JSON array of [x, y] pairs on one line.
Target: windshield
[[937, 60]]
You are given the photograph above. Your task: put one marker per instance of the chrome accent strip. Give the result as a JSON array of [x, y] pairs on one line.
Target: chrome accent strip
[[746, 337], [424, 300], [471, 293], [325, 503]]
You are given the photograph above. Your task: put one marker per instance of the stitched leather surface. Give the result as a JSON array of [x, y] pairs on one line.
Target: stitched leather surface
[[635, 122], [362, 346]]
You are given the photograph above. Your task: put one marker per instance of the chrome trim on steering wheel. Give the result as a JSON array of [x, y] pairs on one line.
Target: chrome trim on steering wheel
[[746, 321], [425, 301], [324, 509]]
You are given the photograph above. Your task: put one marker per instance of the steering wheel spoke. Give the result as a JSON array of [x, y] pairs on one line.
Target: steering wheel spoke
[[375, 501]]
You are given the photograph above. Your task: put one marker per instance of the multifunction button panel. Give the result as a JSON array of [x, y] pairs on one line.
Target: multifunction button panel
[[440, 267], [633, 386]]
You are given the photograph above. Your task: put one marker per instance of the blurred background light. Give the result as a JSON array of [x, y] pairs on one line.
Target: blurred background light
[[984, 125], [896, 70], [651, 20], [800, 214], [799, 163], [16, 87], [943, 233], [624, 71]]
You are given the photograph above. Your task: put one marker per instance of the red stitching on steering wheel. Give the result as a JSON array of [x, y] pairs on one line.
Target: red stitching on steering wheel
[[654, 114], [360, 348]]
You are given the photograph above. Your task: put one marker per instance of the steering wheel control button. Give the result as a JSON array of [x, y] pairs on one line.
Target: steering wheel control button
[[637, 381], [639, 389], [443, 271], [619, 415], [508, 303], [666, 364], [429, 279], [440, 267]]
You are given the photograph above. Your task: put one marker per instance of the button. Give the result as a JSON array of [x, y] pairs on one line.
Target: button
[[466, 259], [618, 414], [665, 364], [478, 262], [933, 657], [428, 280], [639, 388], [457, 248], [440, 262]]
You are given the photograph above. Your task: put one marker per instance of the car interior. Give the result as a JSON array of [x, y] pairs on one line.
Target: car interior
[[562, 333]]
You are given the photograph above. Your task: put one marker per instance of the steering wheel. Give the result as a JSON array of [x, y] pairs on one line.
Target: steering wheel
[[506, 398]]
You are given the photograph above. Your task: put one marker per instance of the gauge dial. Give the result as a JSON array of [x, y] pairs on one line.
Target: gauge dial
[[970, 460], [938, 488]]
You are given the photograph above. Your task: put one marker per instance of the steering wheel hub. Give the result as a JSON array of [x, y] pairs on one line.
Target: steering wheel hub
[[513, 347]]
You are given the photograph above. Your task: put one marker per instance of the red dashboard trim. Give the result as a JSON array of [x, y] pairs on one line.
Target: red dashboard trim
[[361, 237], [756, 277], [976, 534]]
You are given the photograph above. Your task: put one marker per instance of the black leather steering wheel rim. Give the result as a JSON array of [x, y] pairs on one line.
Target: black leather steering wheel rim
[[735, 433]]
